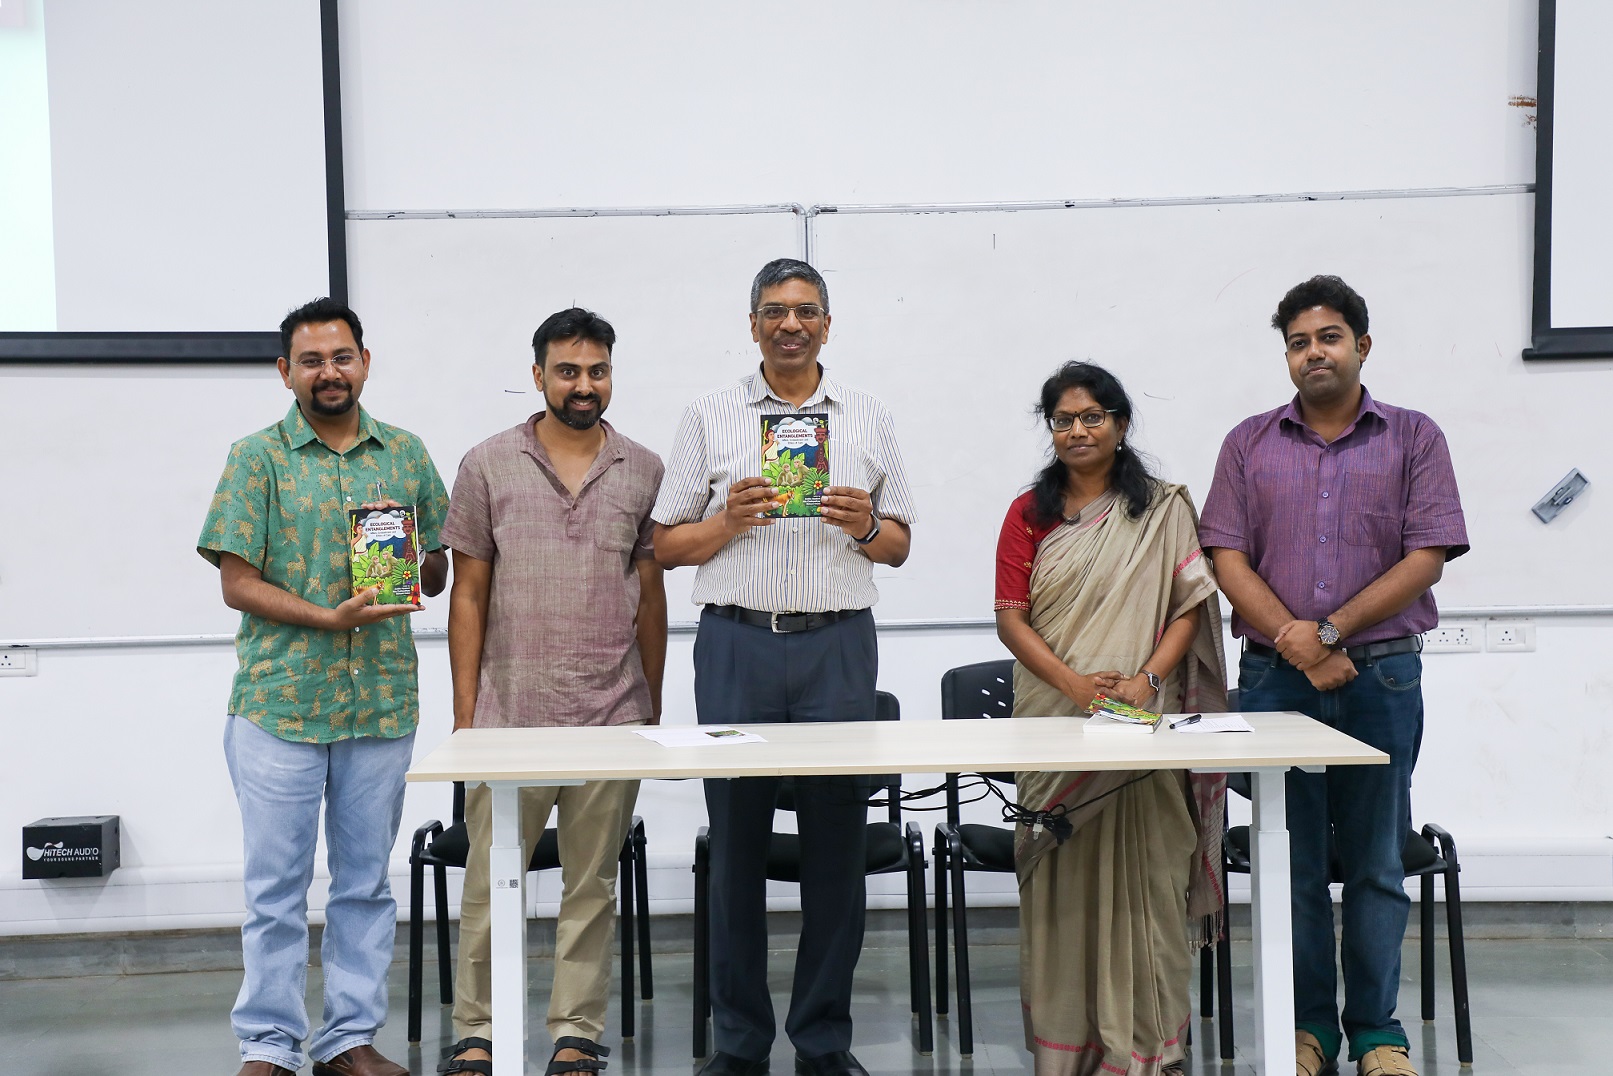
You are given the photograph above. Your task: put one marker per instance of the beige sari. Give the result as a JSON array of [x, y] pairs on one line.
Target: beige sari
[[1109, 918]]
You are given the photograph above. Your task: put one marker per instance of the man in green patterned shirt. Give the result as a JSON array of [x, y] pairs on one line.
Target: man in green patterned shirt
[[325, 701]]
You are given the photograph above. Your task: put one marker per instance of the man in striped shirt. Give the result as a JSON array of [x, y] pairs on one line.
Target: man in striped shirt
[[1328, 521], [786, 635]]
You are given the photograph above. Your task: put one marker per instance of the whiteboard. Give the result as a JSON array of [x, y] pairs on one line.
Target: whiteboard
[[508, 104], [956, 319], [98, 526]]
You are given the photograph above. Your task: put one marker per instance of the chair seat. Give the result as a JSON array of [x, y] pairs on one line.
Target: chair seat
[[452, 847], [1418, 856], [988, 848], [886, 853]]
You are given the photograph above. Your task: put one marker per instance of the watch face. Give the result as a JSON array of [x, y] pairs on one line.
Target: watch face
[[1327, 634]]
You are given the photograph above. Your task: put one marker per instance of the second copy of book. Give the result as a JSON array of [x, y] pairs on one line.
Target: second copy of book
[[385, 553], [1112, 715], [795, 461]]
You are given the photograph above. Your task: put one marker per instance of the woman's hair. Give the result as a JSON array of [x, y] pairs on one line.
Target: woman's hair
[[1132, 477]]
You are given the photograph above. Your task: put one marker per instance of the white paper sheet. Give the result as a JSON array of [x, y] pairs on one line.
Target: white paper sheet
[[697, 735], [1214, 723]]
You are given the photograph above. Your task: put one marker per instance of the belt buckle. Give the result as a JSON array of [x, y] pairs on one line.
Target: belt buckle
[[774, 624]]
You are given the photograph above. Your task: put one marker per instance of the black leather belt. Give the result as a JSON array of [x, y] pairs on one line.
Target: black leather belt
[[782, 623], [1406, 644]]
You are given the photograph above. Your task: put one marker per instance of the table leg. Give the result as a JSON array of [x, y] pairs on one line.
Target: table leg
[[507, 909], [1273, 924]]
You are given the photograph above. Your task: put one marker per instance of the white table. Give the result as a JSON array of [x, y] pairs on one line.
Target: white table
[[510, 759]]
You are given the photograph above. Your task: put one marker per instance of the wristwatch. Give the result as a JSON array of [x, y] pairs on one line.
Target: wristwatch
[[1153, 681], [1327, 633], [871, 535]]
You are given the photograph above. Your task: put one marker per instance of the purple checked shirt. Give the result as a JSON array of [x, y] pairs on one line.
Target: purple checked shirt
[[1320, 521]]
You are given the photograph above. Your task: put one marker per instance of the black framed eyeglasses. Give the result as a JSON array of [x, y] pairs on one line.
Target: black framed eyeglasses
[[1090, 419]]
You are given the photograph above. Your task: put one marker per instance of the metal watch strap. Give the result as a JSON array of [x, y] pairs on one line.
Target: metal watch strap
[[1325, 628], [1153, 681]]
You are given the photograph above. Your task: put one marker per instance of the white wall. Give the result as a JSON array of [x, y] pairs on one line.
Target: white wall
[[671, 111]]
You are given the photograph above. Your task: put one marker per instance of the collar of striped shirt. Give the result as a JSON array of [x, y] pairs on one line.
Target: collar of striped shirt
[[757, 389]]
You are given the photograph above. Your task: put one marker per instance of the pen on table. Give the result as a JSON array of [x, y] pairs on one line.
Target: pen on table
[[1186, 721]]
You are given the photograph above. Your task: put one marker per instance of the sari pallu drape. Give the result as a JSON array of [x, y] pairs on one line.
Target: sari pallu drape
[[1103, 589]]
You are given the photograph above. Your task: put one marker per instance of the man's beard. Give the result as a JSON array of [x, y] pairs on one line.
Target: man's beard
[[579, 420], [318, 407]]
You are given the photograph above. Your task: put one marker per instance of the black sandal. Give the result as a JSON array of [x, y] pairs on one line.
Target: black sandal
[[452, 1062], [592, 1063]]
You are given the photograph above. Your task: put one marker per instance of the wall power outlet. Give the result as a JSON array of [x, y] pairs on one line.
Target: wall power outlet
[[1515, 636], [1454, 637], [19, 661]]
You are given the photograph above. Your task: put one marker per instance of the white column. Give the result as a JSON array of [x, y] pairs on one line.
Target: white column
[[507, 909], [1273, 924]]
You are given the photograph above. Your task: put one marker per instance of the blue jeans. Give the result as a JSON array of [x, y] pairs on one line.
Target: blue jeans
[[1361, 815], [280, 786]]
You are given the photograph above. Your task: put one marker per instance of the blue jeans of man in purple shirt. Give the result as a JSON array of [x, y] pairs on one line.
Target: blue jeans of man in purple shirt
[[1361, 814]]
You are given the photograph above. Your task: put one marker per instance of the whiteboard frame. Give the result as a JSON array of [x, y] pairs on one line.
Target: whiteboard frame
[[1553, 342], [124, 348]]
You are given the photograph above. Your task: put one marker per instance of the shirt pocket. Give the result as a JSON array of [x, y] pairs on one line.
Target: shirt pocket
[[616, 536], [850, 464], [1371, 503]]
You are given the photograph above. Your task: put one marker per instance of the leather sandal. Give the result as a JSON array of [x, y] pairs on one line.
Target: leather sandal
[[1385, 1060], [452, 1062], [1309, 1059], [591, 1063]]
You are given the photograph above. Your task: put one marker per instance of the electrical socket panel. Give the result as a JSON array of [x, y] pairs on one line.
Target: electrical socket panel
[[1454, 637], [1510, 636], [19, 661]]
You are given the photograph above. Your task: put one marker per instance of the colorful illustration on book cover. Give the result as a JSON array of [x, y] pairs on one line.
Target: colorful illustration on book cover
[[384, 554], [795, 461]]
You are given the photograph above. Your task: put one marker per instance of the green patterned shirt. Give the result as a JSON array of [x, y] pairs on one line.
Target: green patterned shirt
[[281, 506]]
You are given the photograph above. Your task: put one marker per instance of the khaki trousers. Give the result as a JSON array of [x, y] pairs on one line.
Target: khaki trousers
[[593, 821]]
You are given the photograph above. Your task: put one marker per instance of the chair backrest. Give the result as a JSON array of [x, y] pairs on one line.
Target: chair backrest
[[982, 690], [886, 708]]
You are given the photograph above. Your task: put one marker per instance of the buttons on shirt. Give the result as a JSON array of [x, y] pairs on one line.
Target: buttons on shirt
[[1324, 495], [1323, 539], [1321, 586]]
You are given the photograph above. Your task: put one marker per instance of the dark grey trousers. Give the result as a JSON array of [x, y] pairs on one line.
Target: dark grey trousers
[[747, 674]]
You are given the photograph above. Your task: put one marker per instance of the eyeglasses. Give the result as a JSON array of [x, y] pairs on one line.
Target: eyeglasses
[[1090, 419], [341, 362], [806, 313]]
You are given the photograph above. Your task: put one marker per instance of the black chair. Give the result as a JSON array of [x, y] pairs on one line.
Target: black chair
[[890, 849], [982, 690], [1428, 853], [439, 848]]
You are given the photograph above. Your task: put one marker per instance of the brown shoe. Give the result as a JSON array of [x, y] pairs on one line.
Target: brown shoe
[[264, 1068], [359, 1061], [1385, 1061]]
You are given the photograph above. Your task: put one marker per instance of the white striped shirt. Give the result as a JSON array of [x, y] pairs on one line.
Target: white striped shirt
[[800, 565]]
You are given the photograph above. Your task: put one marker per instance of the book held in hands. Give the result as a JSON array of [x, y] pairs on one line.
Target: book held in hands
[[795, 461], [385, 553]]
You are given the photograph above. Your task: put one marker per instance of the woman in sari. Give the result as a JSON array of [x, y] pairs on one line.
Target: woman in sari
[[1102, 588]]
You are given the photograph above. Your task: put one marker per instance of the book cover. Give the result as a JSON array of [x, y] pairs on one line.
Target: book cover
[[1112, 715], [795, 461], [385, 553]]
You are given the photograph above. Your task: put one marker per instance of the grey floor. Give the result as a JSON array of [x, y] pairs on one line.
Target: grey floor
[[1540, 1007]]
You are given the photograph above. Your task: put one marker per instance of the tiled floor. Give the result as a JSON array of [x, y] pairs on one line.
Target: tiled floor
[[1540, 1007]]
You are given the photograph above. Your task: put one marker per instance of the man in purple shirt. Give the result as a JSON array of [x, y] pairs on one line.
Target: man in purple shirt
[[1328, 521]]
